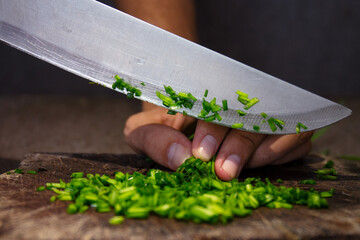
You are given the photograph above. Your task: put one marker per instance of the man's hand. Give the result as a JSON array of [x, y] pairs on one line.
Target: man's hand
[[160, 136]]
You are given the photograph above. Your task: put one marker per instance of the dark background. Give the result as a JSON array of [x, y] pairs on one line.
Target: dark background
[[313, 44]]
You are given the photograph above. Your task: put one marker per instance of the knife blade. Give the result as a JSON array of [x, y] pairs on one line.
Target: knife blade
[[96, 42]]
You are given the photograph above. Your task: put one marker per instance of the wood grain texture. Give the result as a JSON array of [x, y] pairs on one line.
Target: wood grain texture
[[27, 214]]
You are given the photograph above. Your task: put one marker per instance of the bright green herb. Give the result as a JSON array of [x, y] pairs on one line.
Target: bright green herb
[[171, 112], [31, 172], [210, 107], [116, 220], [8, 173], [77, 175], [308, 181], [225, 105], [206, 93], [122, 85], [244, 99], [264, 115], [192, 193], [41, 188], [329, 164], [185, 113], [241, 113], [142, 83], [18, 170], [275, 123], [256, 128], [176, 100], [327, 194], [237, 125], [327, 177], [280, 181], [330, 171], [299, 125]]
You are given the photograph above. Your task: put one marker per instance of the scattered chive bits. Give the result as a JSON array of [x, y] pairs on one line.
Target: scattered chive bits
[[245, 100], [256, 128], [41, 188], [241, 113], [328, 173], [210, 107], [171, 112], [264, 115], [275, 123], [192, 193], [122, 85], [176, 100], [143, 84], [300, 126], [31, 172]]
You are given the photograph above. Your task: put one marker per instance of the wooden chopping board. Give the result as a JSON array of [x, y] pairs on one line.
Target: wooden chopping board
[[27, 214]]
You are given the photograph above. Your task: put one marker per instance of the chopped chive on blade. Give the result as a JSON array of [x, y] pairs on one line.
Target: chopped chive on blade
[[41, 188], [18, 170], [300, 126], [142, 83], [171, 112], [31, 172], [256, 128], [206, 93], [237, 125], [308, 181], [225, 105], [264, 115], [241, 113]]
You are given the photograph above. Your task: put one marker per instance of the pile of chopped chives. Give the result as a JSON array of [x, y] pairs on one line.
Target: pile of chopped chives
[[176, 100], [192, 193], [122, 85]]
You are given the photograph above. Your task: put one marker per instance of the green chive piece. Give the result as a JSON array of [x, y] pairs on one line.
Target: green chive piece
[[251, 103], [299, 125], [185, 113], [72, 208], [142, 83], [116, 220], [18, 170], [280, 181], [264, 115], [327, 177], [225, 105], [327, 194], [31, 172], [77, 175], [331, 171], [241, 113], [275, 123], [41, 188], [218, 117], [171, 112], [329, 164], [120, 84], [308, 181], [206, 93], [256, 128], [209, 118], [237, 125], [8, 173], [53, 198]]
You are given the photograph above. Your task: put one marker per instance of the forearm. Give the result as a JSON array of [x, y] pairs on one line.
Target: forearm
[[176, 16]]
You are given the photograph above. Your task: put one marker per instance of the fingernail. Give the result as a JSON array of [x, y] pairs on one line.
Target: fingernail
[[207, 148], [177, 154], [231, 165]]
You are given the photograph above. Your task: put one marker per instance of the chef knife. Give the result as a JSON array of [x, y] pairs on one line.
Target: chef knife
[[97, 42]]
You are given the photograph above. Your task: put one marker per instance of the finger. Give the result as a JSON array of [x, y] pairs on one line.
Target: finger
[[234, 153], [165, 145], [207, 139], [297, 153], [157, 115], [275, 147]]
